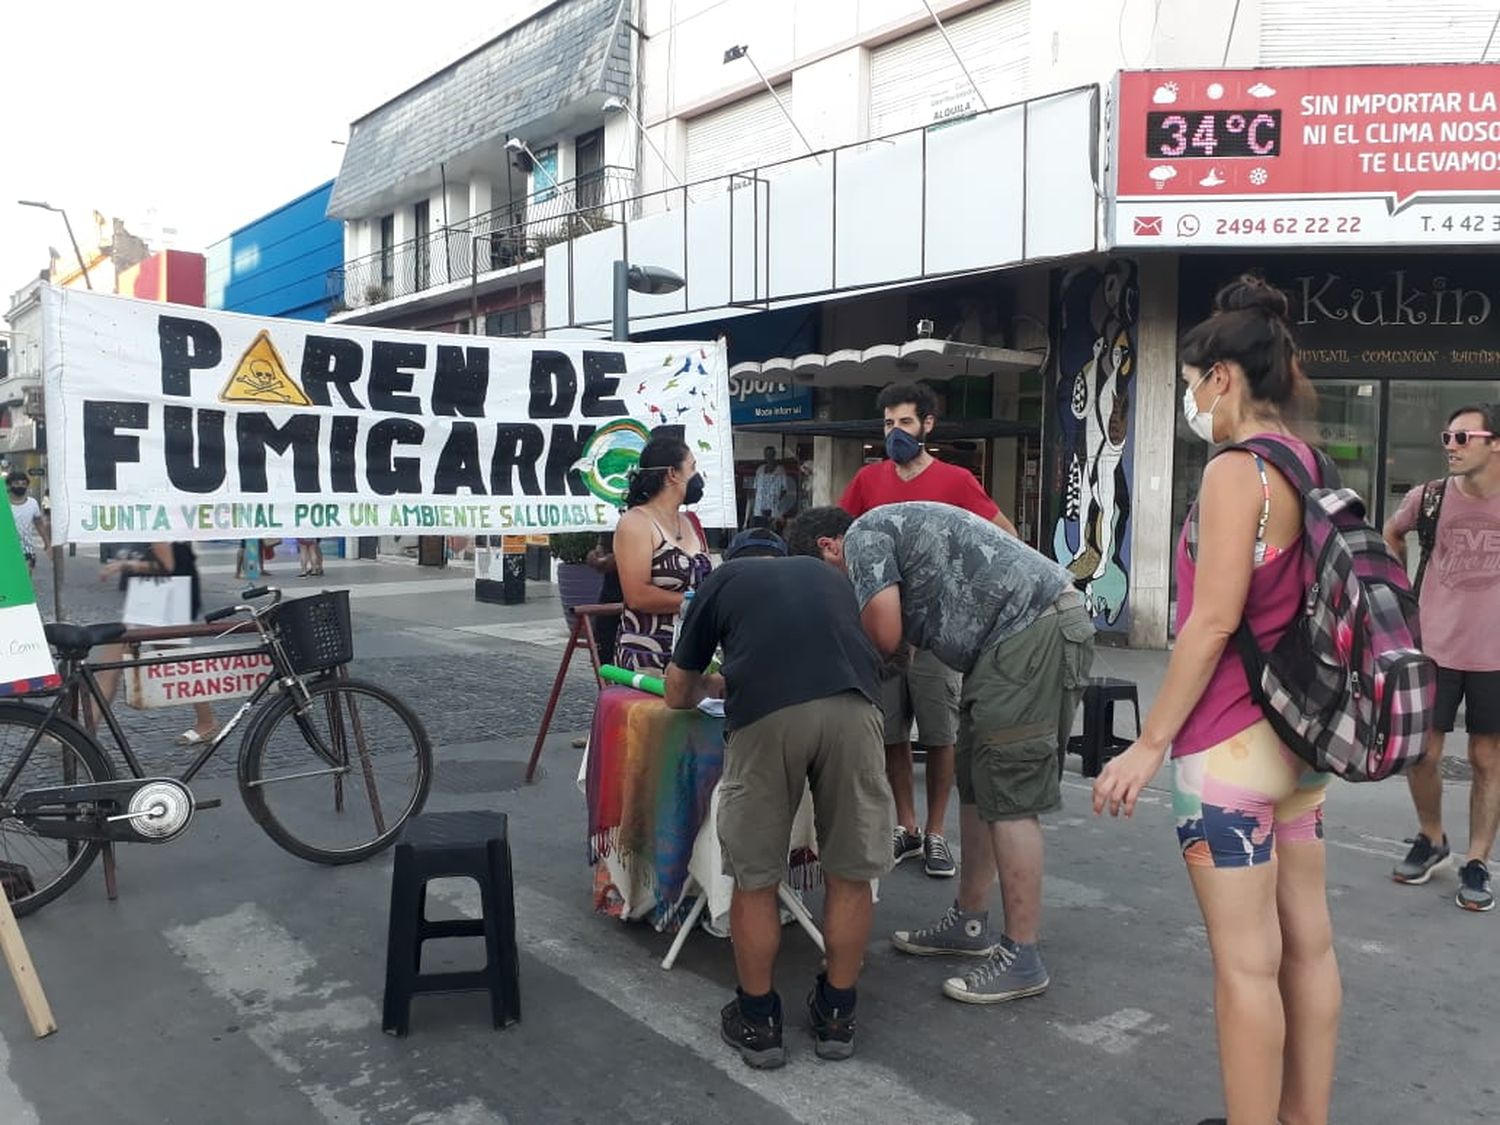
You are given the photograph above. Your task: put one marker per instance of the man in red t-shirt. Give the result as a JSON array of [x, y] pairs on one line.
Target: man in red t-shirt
[[924, 688]]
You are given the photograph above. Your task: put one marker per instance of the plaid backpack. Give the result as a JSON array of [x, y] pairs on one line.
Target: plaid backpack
[[1347, 688]]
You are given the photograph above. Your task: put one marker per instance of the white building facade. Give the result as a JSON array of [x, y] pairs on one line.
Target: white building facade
[[855, 195]]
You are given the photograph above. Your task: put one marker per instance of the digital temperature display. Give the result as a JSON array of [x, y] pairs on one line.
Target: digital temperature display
[[1213, 134]]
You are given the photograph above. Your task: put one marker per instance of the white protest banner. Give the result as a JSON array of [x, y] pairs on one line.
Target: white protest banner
[[171, 423]]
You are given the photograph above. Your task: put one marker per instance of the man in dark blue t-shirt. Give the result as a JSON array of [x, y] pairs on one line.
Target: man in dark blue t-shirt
[[801, 702]]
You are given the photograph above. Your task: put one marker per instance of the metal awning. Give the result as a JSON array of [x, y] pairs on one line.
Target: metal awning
[[881, 364], [873, 429]]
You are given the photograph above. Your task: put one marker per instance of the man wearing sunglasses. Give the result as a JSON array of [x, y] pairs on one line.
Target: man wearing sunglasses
[[1460, 603]]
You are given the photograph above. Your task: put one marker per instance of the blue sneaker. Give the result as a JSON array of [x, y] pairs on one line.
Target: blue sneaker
[[1011, 973], [1474, 891]]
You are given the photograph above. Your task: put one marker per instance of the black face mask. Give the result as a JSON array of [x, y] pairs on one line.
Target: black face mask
[[694, 489], [18, 490]]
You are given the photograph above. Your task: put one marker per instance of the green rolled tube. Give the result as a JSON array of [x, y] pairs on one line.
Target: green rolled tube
[[638, 680]]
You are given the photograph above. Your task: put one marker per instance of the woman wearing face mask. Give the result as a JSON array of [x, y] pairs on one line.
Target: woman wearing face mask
[[659, 552], [1249, 812]]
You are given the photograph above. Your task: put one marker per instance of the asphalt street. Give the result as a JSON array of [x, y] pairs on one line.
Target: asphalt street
[[232, 982]]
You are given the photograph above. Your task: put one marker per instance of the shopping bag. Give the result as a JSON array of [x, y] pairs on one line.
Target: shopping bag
[[159, 601]]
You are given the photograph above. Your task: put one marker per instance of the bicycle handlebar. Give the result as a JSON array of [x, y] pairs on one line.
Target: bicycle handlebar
[[248, 594]]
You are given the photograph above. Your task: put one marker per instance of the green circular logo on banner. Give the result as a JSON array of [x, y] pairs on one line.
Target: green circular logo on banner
[[609, 455]]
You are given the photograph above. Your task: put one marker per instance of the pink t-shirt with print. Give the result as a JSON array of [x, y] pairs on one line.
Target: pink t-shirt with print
[[1461, 591]]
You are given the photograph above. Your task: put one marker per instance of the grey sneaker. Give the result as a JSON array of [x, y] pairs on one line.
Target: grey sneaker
[[1423, 859], [1013, 971], [905, 844], [937, 859], [955, 934], [1474, 891]]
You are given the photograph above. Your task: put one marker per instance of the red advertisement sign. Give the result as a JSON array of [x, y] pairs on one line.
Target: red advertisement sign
[[1333, 155]]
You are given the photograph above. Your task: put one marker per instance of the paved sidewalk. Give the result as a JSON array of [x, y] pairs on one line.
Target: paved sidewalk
[[234, 983]]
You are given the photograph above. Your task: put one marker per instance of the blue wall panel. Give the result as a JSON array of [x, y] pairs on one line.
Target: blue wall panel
[[278, 265]]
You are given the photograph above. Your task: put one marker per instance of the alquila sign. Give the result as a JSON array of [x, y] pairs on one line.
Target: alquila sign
[[182, 423]]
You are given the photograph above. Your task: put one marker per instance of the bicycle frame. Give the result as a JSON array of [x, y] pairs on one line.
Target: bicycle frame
[[80, 684]]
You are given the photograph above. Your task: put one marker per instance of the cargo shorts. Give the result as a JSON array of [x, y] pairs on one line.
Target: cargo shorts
[[1017, 711], [928, 691], [831, 744]]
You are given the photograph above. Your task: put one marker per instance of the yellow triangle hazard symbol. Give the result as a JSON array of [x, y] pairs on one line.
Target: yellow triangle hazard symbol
[[261, 377]]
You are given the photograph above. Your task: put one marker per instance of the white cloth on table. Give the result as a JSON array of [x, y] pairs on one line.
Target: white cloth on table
[[636, 881]]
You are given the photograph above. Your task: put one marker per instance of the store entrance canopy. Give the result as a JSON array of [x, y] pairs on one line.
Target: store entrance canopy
[[882, 364]]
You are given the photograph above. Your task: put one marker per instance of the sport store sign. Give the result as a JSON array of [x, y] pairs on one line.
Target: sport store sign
[[1348, 156]]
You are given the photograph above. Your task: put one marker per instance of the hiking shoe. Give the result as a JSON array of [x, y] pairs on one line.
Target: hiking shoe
[[1421, 861], [833, 1033], [1012, 971], [937, 859], [905, 844], [955, 934], [1474, 891], [757, 1041]]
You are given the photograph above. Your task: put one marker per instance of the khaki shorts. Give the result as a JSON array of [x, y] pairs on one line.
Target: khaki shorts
[[1017, 710], [834, 745], [927, 691]]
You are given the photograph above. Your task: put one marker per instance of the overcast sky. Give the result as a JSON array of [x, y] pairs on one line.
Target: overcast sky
[[198, 115]]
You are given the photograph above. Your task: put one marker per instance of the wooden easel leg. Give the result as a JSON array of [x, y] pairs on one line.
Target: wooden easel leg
[[557, 686], [23, 972]]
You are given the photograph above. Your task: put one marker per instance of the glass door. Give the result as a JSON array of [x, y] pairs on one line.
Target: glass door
[[1420, 408], [1348, 430]]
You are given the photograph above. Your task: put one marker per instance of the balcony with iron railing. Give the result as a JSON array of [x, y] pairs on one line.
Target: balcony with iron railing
[[508, 236]]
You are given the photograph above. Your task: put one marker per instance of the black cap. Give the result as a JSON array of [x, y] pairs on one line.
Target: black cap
[[756, 542]]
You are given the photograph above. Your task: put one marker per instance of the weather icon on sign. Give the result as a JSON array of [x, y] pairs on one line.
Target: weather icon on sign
[[1161, 174], [1258, 176]]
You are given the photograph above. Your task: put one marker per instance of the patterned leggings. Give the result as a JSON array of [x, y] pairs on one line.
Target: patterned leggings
[[1234, 800]]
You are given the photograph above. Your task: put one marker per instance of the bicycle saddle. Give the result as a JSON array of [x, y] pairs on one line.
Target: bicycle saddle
[[76, 640]]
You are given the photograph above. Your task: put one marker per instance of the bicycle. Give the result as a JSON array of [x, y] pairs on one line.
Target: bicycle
[[312, 730]]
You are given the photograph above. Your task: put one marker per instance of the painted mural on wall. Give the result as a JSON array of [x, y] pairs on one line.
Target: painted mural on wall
[[1095, 380]]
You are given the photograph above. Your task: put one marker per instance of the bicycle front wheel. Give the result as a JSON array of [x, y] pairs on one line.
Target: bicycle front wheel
[[36, 869], [335, 781]]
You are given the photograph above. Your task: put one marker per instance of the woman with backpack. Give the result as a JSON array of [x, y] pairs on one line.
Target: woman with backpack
[[1249, 811]]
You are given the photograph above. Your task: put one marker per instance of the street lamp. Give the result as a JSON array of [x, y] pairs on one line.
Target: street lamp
[[655, 280], [58, 613], [516, 144], [77, 252]]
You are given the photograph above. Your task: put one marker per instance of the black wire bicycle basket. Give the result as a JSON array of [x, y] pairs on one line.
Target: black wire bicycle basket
[[315, 631]]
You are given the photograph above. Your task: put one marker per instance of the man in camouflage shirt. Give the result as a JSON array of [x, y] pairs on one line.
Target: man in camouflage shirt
[[942, 579]]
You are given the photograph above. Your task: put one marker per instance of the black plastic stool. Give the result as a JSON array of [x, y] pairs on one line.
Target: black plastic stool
[[473, 845], [1099, 743]]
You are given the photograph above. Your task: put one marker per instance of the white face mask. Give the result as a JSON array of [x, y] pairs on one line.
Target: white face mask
[[1201, 422]]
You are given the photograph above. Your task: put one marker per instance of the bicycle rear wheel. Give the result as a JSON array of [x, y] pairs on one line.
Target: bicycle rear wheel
[[335, 782], [36, 869]]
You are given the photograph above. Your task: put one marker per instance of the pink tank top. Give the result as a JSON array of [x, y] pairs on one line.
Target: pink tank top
[[1271, 605]]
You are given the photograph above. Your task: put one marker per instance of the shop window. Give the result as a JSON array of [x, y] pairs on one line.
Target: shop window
[[422, 216], [387, 252]]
